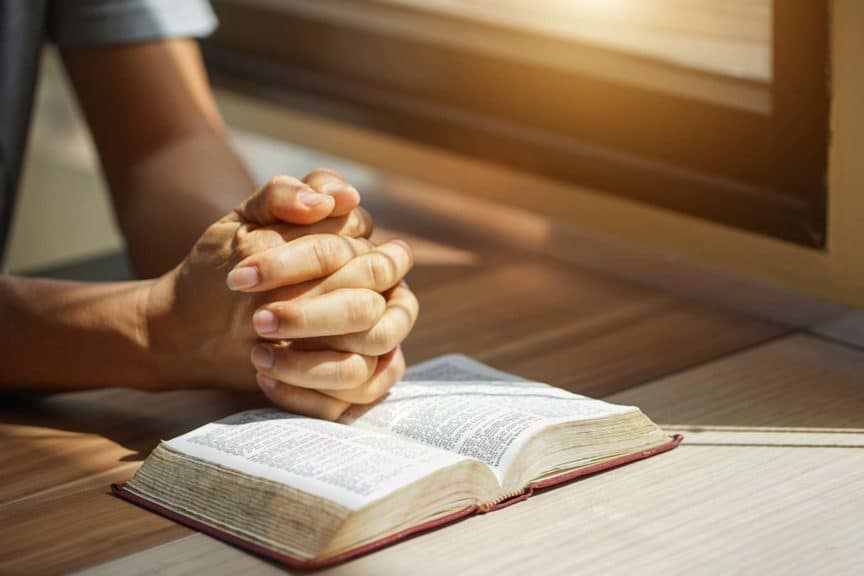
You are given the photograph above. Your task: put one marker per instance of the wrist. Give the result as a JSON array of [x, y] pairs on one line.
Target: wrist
[[176, 336], [154, 304]]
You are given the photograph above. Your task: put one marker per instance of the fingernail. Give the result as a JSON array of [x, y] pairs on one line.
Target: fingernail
[[337, 186], [267, 382], [243, 278], [332, 186], [265, 321], [311, 198], [262, 356]]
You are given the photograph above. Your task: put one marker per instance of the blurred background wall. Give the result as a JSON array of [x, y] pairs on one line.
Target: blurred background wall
[[63, 213], [63, 209], [689, 128]]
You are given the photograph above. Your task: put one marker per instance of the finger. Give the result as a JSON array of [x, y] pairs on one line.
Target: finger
[[378, 269], [300, 260], [286, 199], [390, 369], [390, 330], [317, 369], [337, 312], [326, 181], [355, 224], [252, 238], [301, 400]]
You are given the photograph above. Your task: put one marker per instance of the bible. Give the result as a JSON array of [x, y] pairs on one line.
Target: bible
[[455, 437]]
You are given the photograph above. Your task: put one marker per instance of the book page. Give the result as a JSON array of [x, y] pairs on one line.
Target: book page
[[474, 410], [457, 368], [350, 466]]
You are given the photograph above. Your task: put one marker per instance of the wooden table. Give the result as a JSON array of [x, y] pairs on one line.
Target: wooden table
[[770, 478]]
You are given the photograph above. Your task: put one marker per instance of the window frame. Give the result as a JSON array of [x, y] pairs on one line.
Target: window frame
[[756, 172]]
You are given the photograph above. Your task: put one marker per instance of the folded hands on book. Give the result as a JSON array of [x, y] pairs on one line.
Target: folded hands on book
[[318, 308], [454, 438]]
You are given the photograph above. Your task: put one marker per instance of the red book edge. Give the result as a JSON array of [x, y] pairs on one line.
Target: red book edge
[[314, 564]]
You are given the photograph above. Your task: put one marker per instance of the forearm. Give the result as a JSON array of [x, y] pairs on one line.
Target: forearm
[[60, 335], [161, 142], [171, 196]]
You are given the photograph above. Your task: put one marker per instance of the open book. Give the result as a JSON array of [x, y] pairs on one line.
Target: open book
[[453, 438]]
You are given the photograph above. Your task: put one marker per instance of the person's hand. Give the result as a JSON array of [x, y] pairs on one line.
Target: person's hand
[[190, 312], [321, 356], [201, 332]]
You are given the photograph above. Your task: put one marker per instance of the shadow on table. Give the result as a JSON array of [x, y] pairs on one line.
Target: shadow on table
[[135, 421]]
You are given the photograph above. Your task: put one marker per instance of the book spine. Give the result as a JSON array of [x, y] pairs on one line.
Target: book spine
[[484, 507]]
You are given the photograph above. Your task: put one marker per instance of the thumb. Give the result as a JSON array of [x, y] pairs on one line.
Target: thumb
[[286, 199]]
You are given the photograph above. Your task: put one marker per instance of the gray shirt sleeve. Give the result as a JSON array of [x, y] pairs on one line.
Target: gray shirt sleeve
[[95, 22]]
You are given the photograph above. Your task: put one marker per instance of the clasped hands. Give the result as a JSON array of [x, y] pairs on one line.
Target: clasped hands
[[289, 281]]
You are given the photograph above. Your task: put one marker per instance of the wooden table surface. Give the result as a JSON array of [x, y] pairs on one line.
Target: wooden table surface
[[770, 478]]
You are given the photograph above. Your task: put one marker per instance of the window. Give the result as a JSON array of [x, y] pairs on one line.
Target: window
[[718, 110]]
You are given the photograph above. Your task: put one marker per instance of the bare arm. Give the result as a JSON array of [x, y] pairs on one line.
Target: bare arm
[[161, 142], [333, 302], [70, 335], [172, 174], [58, 335]]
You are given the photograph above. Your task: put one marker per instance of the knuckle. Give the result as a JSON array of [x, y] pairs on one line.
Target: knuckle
[[327, 253], [412, 306], [406, 248], [353, 225], [365, 307], [381, 272], [381, 339], [244, 247], [277, 183], [278, 191], [260, 239], [351, 372], [359, 224], [271, 188], [322, 171]]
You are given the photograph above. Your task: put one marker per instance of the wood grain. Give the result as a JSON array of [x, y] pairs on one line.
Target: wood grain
[[571, 327], [48, 442], [481, 293], [799, 382], [760, 486], [635, 350]]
